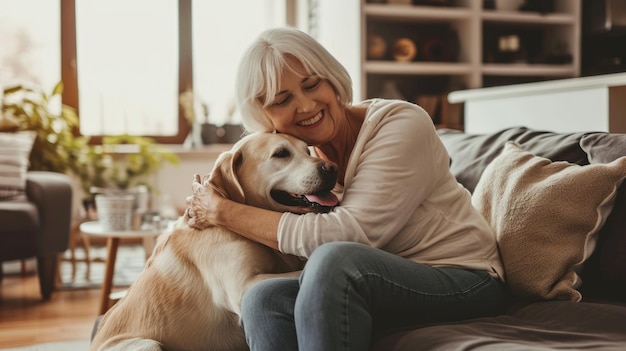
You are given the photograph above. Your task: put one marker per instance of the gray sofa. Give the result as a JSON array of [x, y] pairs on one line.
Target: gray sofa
[[598, 321], [38, 225]]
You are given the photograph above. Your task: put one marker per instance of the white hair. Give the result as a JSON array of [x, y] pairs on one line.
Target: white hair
[[264, 62]]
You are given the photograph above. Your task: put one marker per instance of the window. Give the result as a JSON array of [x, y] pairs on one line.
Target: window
[[30, 52], [127, 67], [135, 58], [215, 55], [124, 63]]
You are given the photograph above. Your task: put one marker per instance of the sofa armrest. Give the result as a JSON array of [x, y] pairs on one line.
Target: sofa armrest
[[52, 194]]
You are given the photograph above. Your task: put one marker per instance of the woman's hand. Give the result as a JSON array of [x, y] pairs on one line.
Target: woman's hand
[[208, 207], [203, 204]]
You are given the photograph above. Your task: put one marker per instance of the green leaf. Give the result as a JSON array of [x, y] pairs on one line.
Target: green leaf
[[58, 89]]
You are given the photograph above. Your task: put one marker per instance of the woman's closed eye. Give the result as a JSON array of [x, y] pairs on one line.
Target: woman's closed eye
[[282, 100], [308, 84], [311, 83]]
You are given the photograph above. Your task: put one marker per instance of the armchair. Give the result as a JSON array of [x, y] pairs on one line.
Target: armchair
[[38, 225]]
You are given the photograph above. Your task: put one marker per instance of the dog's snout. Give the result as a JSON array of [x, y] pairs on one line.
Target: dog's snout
[[328, 167]]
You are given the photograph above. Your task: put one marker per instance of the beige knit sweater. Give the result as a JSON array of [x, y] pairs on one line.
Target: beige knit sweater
[[400, 196]]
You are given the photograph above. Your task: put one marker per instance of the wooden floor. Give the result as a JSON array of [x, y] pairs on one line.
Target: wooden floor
[[25, 319]]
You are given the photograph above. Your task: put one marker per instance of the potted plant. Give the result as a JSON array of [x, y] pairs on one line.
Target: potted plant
[[123, 164], [120, 163], [30, 108]]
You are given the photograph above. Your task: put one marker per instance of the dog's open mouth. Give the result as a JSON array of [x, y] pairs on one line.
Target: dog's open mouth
[[320, 202]]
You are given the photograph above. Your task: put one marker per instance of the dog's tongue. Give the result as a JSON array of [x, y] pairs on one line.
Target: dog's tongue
[[324, 199]]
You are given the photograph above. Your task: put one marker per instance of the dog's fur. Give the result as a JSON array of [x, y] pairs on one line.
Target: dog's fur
[[188, 296]]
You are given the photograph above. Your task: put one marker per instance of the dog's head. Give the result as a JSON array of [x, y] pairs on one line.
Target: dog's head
[[276, 172]]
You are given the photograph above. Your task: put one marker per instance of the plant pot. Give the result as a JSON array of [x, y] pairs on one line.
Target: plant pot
[[208, 133], [115, 211], [231, 133]]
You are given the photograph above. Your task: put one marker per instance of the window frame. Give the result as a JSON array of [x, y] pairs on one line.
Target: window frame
[[69, 74]]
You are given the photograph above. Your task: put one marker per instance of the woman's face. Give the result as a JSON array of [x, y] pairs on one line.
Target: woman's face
[[305, 106]]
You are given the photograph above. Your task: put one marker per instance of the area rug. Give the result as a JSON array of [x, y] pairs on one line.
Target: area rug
[[82, 345], [128, 265]]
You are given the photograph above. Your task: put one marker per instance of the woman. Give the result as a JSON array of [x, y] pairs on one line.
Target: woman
[[404, 247]]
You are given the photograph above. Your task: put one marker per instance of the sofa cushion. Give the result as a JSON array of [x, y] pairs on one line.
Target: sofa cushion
[[548, 325], [18, 215], [546, 216], [14, 153], [20, 229], [606, 269], [471, 153]]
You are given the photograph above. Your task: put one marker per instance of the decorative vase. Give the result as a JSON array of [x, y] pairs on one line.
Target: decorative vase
[[208, 133], [115, 211], [231, 133]]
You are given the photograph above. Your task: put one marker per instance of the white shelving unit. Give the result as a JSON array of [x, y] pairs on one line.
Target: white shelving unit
[[475, 28]]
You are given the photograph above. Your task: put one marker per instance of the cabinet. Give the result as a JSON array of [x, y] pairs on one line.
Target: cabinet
[[464, 44], [581, 104]]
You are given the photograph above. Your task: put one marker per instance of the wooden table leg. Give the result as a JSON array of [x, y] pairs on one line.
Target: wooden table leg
[[87, 247], [73, 237], [107, 283]]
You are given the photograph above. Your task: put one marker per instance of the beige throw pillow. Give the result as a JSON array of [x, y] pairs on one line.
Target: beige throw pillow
[[14, 153], [546, 216]]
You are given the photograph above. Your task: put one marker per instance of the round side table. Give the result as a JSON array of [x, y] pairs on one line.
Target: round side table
[[93, 228]]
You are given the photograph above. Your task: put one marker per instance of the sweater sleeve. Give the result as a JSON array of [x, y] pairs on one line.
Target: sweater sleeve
[[397, 161]]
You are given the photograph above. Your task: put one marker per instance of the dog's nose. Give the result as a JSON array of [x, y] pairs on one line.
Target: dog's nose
[[328, 167]]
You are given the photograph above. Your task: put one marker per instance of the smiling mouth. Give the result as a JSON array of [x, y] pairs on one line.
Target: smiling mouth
[[311, 121], [323, 201]]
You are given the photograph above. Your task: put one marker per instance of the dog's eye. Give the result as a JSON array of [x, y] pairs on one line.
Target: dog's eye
[[281, 153]]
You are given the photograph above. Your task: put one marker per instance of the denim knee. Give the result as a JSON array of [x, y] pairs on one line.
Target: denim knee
[[272, 295], [332, 305], [267, 314], [253, 298], [334, 260], [340, 252]]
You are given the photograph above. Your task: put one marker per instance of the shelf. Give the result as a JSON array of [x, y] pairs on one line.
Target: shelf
[[513, 17], [524, 69], [422, 13], [480, 53], [417, 68]]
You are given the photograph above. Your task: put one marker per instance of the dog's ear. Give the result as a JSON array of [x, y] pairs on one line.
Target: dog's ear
[[224, 175]]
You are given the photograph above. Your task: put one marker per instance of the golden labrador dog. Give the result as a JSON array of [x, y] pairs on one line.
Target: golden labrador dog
[[188, 296]]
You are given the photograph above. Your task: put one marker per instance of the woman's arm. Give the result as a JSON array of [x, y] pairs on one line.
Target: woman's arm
[[207, 207], [395, 166]]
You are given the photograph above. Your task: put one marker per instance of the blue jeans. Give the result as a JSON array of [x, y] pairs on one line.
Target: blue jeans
[[348, 292]]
